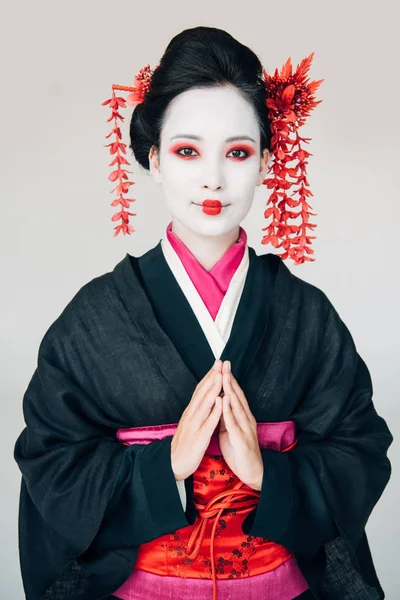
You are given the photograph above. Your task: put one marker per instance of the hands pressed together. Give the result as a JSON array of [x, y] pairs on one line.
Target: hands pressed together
[[218, 398]]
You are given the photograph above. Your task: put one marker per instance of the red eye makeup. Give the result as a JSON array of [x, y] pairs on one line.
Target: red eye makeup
[[178, 148], [249, 151]]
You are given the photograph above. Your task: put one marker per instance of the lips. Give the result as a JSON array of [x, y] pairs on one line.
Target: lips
[[212, 203]]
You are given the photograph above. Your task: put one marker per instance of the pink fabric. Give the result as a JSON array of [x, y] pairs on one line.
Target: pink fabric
[[211, 285], [283, 583], [275, 436]]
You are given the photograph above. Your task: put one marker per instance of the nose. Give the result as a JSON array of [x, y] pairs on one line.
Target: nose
[[213, 176]]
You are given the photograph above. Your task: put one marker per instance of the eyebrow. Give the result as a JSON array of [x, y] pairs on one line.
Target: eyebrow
[[234, 138]]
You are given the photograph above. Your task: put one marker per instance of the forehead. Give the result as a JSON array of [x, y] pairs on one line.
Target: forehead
[[214, 110]]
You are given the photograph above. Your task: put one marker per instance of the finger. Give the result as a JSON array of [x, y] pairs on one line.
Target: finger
[[230, 421], [204, 398], [242, 398], [216, 368], [222, 424], [207, 380], [208, 427], [236, 406]]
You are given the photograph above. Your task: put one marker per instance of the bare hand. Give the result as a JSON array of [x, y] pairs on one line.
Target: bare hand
[[238, 438], [197, 424]]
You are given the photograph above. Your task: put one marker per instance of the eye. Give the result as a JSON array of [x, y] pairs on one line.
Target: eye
[[186, 148], [246, 154]]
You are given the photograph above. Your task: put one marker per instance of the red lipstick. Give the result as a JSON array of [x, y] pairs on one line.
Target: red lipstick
[[211, 207]]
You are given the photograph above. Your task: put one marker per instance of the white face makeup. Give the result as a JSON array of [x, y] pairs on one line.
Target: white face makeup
[[198, 161]]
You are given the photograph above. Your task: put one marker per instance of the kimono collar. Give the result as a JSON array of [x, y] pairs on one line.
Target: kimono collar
[[211, 285]]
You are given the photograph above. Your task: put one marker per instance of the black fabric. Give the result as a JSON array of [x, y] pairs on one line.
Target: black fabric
[[177, 319], [87, 501], [249, 330], [307, 595]]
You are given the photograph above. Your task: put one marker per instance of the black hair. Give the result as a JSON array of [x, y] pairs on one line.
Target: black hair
[[198, 57]]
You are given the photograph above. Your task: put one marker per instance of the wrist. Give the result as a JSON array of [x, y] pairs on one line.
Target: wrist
[[257, 484]]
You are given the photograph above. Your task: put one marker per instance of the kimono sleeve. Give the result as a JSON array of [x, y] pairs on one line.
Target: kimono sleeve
[[328, 484], [85, 484]]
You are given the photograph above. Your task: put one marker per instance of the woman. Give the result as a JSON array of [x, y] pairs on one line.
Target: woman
[[200, 424]]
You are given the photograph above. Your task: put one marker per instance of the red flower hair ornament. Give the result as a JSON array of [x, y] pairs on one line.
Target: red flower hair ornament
[[290, 99]]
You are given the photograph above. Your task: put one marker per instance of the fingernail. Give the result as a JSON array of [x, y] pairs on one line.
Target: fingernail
[[229, 365], [215, 365]]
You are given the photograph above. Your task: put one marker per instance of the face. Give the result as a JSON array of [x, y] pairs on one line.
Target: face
[[209, 150]]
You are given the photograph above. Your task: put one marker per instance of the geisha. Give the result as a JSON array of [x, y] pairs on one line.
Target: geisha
[[200, 423]]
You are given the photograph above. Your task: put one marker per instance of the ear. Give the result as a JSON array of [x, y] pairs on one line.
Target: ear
[[154, 163], [263, 167]]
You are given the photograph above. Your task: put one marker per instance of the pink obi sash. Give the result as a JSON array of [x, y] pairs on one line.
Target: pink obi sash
[[186, 562]]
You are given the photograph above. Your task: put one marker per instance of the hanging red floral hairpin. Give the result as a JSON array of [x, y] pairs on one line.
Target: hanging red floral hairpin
[[142, 82], [290, 100]]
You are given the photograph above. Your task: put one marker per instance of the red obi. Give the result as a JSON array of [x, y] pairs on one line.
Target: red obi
[[215, 547]]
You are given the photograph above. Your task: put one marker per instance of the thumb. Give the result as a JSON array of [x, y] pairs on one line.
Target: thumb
[[211, 423], [222, 426]]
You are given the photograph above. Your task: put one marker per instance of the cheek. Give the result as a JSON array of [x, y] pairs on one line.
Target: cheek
[[175, 185], [245, 174], [175, 171], [243, 183]]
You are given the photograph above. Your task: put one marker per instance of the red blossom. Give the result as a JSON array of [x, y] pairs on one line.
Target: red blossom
[[290, 100], [142, 83], [118, 174]]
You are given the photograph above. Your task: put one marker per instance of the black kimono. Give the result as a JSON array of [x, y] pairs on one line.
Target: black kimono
[[128, 351]]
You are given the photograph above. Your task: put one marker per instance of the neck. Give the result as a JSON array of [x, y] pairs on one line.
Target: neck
[[208, 250]]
